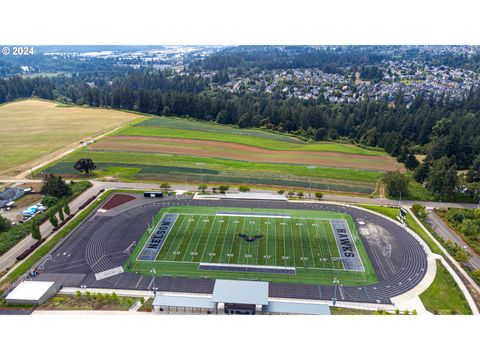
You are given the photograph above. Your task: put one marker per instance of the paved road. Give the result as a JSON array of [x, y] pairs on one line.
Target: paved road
[[446, 233]]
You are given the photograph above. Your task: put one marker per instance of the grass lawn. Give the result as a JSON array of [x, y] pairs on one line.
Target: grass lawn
[[35, 128], [303, 240], [444, 297], [347, 311]]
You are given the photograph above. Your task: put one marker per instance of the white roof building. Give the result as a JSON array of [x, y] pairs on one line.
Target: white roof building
[[32, 292]]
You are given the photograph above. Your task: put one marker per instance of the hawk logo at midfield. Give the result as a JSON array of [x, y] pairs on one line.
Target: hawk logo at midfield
[[250, 239]]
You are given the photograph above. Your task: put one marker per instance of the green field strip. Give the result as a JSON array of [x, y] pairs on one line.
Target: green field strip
[[169, 254], [235, 245], [221, 256], [186, 248], [297, 244], [319, 239], [192, 244], [188, 124], [137, 159], [180, 234], [245, 253], [290, 247], [245, 139], [220, 241], [314, 244], [187, 240], [200, 244], [252, 250], [182, 244], [261, 243], [227, 244], [271, 244], [210, 246], [307, 245], [324, 240]]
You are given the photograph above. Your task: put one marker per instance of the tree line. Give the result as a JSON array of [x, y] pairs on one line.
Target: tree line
[[446, 130]]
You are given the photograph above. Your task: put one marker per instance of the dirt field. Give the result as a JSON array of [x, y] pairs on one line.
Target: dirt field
[[35, 131], [220, 149]]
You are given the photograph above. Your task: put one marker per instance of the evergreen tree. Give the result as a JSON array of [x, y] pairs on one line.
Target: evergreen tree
[[411, 162], [442, 177], [421, 172], [66, 208], [473, 173], [35, 230], [55, 186], [60, 213], [52, 218]]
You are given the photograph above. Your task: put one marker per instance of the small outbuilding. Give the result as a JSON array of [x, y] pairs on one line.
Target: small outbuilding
[[32, 292]]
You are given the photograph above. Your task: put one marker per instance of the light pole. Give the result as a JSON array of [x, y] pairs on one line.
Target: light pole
[[154, 272], [335, 281]]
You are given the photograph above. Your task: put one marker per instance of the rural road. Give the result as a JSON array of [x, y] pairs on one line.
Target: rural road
[[446, 233], [8, 259]]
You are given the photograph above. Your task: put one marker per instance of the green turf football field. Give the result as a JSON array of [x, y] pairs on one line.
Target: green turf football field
[[294, 239]]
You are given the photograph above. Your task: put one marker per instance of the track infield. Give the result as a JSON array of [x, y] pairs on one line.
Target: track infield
[[289, 245]]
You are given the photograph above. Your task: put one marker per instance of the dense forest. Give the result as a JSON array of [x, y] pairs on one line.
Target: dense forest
[[446, 131]]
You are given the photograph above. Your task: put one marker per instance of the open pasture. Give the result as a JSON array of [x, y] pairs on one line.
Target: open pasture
[[35, 130]]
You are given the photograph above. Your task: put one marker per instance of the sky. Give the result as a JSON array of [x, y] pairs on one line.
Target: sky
[[217, 22]]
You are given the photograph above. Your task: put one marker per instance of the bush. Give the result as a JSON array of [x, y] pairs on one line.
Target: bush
[[49, 201], [396, 183], [223, 188], [243, 188], [419, 211], [318, 195], [291, 193], [165, 186], [281, 192], [300, 194], [5, 224], [476, 275]]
